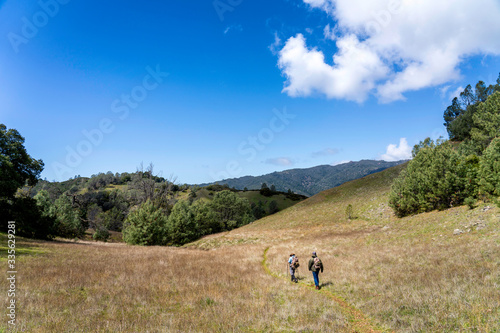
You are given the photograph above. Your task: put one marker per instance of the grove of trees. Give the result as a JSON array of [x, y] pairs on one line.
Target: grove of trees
[[461, 170]]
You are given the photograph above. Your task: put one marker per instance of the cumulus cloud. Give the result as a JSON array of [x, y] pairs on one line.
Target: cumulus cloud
[[389, 47], [397, 153], [280, 161], [354, 73]]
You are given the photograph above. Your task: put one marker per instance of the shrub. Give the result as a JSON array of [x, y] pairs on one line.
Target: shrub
[[181, 225], [437, 178], [145, 226], [489, 170], [101, 234]]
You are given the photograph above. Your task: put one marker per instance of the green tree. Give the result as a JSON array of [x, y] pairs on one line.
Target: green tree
[[258, 210], [459, 115], [489, 170], [181, 225], [206, 218], [487, 121], [17, 168], [273, 207], [146, 225], [68, 223], [231, 210], [437, 178]]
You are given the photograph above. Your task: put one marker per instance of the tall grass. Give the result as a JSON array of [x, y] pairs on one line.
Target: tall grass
[[403, 275], [116, 288]]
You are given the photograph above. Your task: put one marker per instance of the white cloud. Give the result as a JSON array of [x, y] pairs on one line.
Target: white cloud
[[237, 28], [354, 73], [325, 152], [410, 45], [281, 161], [275, 46], [456, 92], [330, 33], [395, 153], [340, 162]]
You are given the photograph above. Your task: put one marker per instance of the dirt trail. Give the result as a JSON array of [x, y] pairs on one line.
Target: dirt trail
[[358, 322]]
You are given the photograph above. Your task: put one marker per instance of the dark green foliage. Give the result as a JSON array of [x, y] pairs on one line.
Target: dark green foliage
[[113, 219], [16, 166], [459, 115], [487, 121], [146, 225], [30, 222], [489, 170], [68, 223], [437, 178], [182, 226], [427, 143], [206, 218], [258, 210], [265, 191], [231, 210], [349, 211], [470, 202], [101, 234], [273, 207]]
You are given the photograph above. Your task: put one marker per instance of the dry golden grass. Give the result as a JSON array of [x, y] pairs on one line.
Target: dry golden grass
[[87, 287], [381, 273], [407, 275]]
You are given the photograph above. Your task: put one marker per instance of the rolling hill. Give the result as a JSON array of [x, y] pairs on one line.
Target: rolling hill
[[313, 180], [432, 272]]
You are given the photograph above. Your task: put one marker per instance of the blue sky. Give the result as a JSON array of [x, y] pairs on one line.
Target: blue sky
[[207, 90]]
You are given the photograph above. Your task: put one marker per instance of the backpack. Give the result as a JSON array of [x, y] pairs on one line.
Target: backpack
[[295, 262], [317, 263]]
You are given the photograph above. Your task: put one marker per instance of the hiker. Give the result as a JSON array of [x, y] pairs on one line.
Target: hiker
[[315, 265], [293, 264]]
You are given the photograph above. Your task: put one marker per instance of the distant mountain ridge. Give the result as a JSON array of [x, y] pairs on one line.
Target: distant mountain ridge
[[310, 181]]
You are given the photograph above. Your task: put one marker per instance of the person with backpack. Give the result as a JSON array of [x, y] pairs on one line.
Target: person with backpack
[[293, 264], [315, 266]]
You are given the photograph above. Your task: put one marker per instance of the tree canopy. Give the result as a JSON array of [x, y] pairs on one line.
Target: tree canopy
[[17, 167]]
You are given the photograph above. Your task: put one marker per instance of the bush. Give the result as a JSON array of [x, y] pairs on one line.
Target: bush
[[146, 226], [181, 225], [101, 234], [470, 202], [231, 210], [68, 223], [437, 178], [489, 170]]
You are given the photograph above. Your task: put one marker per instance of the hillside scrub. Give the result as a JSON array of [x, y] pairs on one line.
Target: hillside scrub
[[447, 174], [489, 171], [439, 177]]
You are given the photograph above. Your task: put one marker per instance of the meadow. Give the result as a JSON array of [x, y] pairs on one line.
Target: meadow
[[382, 274]]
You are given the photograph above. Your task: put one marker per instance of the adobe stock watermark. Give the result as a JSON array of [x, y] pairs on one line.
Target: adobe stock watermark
[[30, 27], [252, 145], [11, 273], [223, 6], [95, 136], [382, 18]]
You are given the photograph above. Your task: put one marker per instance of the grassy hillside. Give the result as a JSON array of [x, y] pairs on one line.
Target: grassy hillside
[[410, 274], [381, 274]]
